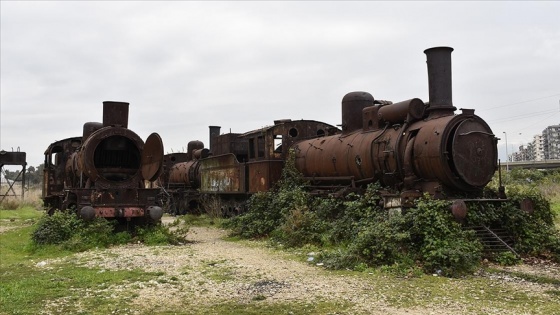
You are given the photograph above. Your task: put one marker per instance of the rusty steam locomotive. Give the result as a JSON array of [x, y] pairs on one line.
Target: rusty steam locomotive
[[103, 173], [410, 147]]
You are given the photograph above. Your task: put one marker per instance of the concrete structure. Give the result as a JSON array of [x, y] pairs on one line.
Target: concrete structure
[[551, 142], [537, 147]]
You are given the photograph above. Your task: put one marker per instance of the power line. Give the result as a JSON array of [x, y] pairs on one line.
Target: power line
[[523, 116], [521, 102], [540, 122]]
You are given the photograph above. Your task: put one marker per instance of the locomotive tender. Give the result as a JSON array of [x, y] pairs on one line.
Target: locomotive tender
[[103, 172], [410, 147]]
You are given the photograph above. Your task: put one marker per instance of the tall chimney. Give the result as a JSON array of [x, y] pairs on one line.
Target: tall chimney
[[439, 80], [115, 114], [214, 132]]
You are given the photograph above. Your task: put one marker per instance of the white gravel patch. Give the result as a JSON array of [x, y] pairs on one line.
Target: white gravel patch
[[209, 271]]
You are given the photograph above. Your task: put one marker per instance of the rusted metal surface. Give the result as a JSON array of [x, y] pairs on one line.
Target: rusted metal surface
[[185, 173], [401, 112], [194, 146], [352, 106], [438, 60], [115, 114], [407, 148], [410, 147], [152, 157], [264, 174], [111, 156], [89, 128], [103, 172], [223, 174], [58, 166], [227, 143], [124, 212], [474, 152], [273, 142], [459, 210]]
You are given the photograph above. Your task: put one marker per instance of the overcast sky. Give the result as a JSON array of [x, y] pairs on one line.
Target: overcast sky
[[184, 66]]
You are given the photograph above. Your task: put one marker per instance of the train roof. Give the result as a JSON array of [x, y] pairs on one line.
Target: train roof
[[283, 123], [59, 142]]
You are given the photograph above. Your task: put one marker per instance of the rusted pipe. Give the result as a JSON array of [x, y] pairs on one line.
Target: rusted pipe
[[438, 60]]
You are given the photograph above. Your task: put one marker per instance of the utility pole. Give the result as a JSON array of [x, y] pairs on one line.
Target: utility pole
[[507, 157]]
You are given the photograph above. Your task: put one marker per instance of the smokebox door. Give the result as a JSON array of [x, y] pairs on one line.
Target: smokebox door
[[152, 157], [473, 153]]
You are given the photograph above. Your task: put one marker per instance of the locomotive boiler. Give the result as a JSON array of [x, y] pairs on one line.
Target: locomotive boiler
[[410, 147], [104, 172]]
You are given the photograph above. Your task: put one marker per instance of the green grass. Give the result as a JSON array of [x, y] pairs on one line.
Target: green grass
[[555, 206], [26, 288], [24, 213], [263, 307], [63, 287]]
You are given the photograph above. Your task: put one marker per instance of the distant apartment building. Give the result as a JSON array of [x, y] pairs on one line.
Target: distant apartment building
[[537, 148], [523, 154], [551, 142], [545, 146]]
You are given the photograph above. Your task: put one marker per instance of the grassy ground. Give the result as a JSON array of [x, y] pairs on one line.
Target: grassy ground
[[555, 205], [28, 280], [34, 278]]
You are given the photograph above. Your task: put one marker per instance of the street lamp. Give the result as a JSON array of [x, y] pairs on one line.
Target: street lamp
[[507, 157]]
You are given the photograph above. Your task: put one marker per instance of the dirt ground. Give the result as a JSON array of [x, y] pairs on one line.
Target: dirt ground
[[209, 270]]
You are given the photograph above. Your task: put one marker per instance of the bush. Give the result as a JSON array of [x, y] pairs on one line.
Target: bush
[[65, 229], [258, 221], [356, 233], [439, 242], [534, 234], [506, 259], [268, 210], [160, 235], [300, 227], [56, 229]]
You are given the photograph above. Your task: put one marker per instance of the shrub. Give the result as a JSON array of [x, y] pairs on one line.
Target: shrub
[[258, 221], [56, 229], [506, 259], [268, 210], [159, 235], [300, 227], [533, 233], [356, 233], [65, 229], [439, 242]]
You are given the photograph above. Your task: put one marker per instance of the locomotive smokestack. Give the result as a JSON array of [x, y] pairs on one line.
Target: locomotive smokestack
[[115, 114], [439, 79], [352, 105], [214, 132]]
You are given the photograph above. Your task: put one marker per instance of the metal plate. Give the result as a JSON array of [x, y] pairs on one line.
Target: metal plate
[[152, 157], [474, 153]]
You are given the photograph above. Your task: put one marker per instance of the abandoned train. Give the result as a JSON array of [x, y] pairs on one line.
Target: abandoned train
[[104, 172], [410, 147]]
